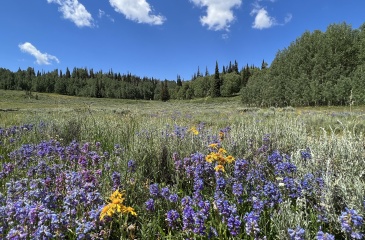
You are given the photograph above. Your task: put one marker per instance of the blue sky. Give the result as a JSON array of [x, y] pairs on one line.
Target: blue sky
[[159, 38]]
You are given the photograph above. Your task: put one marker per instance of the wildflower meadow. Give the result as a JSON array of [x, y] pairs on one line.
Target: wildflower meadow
[[78, 168]]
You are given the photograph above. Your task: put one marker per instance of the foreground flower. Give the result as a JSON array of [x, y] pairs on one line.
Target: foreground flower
[[194, 130], [219, 168], [116, 205], [351, 222], [324, 236], [296, 234]]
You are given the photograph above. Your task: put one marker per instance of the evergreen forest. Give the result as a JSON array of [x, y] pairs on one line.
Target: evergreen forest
[[318, 68]]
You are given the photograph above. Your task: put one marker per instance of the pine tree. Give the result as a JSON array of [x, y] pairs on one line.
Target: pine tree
[[68, 74], [216, 86], [178, 81], [165, 96], [206, 71]]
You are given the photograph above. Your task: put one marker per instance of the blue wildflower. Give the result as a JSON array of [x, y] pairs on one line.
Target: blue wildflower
[[154, 190], [324, 236], [296, 234], [351, 222], [172, 218], [150, 205]]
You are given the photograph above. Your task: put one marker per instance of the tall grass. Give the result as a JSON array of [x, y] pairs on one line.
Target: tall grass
[[327, 143]]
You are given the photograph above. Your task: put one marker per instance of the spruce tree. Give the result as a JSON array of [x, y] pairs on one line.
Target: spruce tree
[[165, 96], [216, 86], [178, 81]]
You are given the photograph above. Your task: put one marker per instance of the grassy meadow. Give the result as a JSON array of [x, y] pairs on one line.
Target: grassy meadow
[[88, 168]]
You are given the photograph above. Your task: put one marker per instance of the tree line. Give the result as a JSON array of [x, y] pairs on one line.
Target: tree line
[[85, 82], [318, 68]]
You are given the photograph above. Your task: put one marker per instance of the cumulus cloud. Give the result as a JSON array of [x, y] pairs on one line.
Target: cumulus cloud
[[219, 13], [262, 19], [41, 58], [74, 11], [137, 10]]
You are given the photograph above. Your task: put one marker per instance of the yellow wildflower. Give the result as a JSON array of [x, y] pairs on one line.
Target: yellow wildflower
[[194, 130], [209, 158], [221, 135], [222, 150], [219, 168], [116, 205], [213, 145], [230, 159]]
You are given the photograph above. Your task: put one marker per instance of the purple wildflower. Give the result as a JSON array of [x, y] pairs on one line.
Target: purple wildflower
[[172, 218], [154, 190], [132, 166], [324, 236], [351, 222], [150, 205], [296, 234]]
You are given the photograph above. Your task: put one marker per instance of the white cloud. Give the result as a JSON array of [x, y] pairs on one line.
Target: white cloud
[[137, 10], [262, 19], [41, 58], [74, 11], [102, 14], [219, 13], [288, 18]]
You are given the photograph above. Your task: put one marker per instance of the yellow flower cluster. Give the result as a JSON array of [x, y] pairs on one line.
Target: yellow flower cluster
[[218, 155], [116, 205], [194, 130]]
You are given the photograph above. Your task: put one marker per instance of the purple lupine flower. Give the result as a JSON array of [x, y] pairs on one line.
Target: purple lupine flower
[[351, 222], [234, 224], [204, 207], [220, 183], [324, 236], [132, 166], [285, 168], [292, 187], [165, 192], [150, 205], [306, 154], [258, 205], [240, 169], [85, 148], [275, 158], [172, 218], [296, 234], [116, 180], [188, 218], [186, 201], [199, 223], [237, 189], [83, 162], [154, 190], [251, 223], [272, 192], [173, 198]]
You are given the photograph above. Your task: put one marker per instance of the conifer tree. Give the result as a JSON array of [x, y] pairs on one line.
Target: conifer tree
[[216, 86], [178, 81], [165, 96]]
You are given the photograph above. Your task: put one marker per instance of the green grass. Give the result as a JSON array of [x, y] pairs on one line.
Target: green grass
[[335, 136]]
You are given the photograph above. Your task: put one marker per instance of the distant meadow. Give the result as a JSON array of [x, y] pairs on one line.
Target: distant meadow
[[88, 168]]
